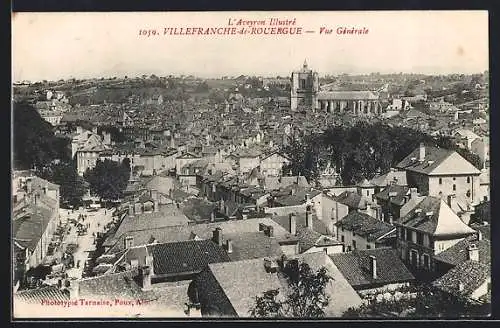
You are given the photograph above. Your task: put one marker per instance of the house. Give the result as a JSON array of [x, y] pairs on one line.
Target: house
[[428, 229], [294, 199], [229, 289], [440, 172], [481, 147], [332, 212], [392, 199], [392, 177], [373, 271], [175, 261], [467, 267], [465, 137], [142, 236], [312, 234], [35, 217], [361, 231], [272, 164]]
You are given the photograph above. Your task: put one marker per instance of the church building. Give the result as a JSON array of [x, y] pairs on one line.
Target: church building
[[306, 92]]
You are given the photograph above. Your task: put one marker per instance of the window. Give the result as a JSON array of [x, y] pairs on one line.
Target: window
[[368, 247], [440, 180], [420, 238], [427, 262], [354, 244], [454, 187], [454, 178], [342, 239], [325, 250], [303, 83], [468, 179], [468, 193], [368, 193]]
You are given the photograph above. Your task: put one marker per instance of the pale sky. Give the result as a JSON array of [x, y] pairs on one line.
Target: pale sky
[[52, 46]]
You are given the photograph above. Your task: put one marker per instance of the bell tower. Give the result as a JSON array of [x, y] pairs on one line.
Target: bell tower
[[304, 88]]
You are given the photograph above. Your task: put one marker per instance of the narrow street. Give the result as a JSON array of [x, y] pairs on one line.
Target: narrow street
[[96, 220]]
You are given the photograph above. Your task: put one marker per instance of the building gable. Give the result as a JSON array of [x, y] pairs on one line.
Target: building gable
[[455, 165]]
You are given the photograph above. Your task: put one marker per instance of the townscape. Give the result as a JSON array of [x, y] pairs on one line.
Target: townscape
[[179, 196]]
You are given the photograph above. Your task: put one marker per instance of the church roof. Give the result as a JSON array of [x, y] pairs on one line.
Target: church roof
[[347, 95]]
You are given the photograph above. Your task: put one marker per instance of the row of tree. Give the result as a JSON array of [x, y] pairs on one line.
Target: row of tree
[[361, 151]]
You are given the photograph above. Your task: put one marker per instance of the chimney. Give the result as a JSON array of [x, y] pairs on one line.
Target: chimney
[[307, 198], [145, 275], [129, 241], [269, 231], [270, 265], [138, 208], [217, 236], [293, 224], [450, 200], [74, 289], [479, 235], [94, 129], [309, 219], [292, 191], [154, 194], [421, 152], [29, 185], [229, 246], [373, 266], [473, 252], [413, 193], [156, 205]]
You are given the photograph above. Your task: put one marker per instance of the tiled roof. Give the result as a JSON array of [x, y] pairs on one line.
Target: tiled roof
[[252, 245], [386, 179], [203, 231], [353, 200], [470, 274], [458, 253], [36, 296], [198, 210], [185, 256], [242, 281], [123, 285], [433, 216], [29, 226], [355, 267], [437, 161], [397, 193], [365, 225]]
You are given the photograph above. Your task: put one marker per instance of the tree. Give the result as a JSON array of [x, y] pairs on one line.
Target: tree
[[304, 297], [108, 179], [34, 142], [72, 186]]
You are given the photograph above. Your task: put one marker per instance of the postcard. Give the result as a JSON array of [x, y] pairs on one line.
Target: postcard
[[251, 164]]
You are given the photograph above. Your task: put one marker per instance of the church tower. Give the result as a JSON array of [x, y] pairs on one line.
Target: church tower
[[304, 88]]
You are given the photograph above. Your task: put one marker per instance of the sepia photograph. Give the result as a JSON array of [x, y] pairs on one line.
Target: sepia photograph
[[250, 164]]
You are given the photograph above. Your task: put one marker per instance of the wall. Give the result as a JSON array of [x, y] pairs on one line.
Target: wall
[[248, 163], [481, 290], [285, 210], [331, 212], [333, 249], [460, 182], [361, 243], [272, 165], [290, 250], [442, 245]]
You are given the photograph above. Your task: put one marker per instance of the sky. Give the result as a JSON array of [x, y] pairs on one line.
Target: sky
[[53, 46]]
